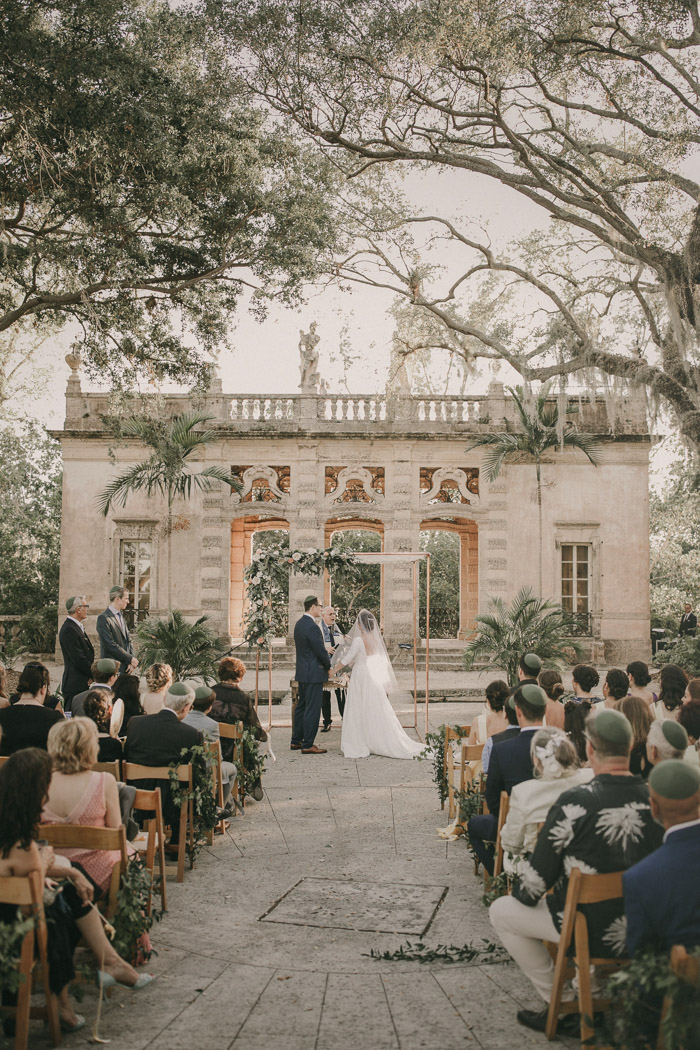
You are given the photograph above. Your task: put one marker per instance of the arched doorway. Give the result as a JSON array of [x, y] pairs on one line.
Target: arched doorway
[[454, 577], [247, 534], [365, 591]]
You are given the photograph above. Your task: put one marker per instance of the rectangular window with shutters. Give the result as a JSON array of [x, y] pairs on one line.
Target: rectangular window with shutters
[[135, 575], [576, 578]]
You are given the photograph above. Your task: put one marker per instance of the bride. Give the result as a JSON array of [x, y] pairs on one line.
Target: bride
[[370, 726]]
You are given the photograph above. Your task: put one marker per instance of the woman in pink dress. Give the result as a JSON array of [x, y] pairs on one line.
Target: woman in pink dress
[[78, 795]]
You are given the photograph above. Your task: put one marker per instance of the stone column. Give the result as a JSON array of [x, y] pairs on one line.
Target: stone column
[[400, 534], [305, 522]]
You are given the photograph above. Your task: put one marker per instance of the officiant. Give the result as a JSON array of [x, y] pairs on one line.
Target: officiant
[[332, 637]]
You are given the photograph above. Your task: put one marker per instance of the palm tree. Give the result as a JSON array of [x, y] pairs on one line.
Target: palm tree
[[175, 442], [536, 431], [528, 625]]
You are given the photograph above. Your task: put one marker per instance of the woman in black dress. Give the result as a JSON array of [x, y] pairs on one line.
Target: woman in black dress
[[98, 708]]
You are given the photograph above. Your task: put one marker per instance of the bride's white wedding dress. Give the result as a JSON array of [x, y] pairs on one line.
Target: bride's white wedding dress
[[370, 726]]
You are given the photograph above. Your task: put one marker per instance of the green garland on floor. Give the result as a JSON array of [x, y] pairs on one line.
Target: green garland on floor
[[131, 921], [11, 937], [201, 795], [637, 993], [485, 951]]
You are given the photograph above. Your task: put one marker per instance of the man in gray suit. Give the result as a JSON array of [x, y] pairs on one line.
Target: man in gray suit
[[115, 642]]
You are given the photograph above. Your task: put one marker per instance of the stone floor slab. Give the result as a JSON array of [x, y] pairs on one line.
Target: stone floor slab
[[367, 906]]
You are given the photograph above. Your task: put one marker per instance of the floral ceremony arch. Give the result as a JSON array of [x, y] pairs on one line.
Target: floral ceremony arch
[[272, 565]]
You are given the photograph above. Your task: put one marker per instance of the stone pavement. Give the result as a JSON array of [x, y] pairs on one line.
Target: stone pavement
[[265, 945]]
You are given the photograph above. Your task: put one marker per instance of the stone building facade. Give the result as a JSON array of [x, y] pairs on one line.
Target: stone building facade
[[316, 463]]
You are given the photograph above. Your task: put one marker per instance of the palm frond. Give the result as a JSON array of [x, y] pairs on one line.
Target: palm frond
[[141, 476]]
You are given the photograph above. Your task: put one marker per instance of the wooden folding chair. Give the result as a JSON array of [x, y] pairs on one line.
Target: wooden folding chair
[[235, 733], [83, 836], [214, 749], [503, 808], [583, 889], [468, 753], [451, 734], [115, 768], [26, 892], [686, 968], [155, 841], [132, 771]]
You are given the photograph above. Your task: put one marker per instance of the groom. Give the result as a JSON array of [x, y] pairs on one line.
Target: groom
[[313, 664]]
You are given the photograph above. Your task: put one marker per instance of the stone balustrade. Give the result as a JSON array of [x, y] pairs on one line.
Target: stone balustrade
[[355, 413]]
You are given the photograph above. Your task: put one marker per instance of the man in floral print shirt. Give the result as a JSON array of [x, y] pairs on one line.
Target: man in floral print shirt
[[599, 827]]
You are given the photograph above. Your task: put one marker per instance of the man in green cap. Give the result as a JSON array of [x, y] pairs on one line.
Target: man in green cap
[[510, 764], [599, 827], [529, 667], [77, 649], [667, 739], [103, 675], [662, 892]]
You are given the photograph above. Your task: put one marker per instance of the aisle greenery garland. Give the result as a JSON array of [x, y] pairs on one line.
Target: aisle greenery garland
[[201, 795], [131, 921], [252, 764], [11, 937], [434, 751], [274, 564]]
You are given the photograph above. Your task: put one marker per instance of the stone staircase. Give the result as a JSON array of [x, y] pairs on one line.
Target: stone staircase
[[443, 657]]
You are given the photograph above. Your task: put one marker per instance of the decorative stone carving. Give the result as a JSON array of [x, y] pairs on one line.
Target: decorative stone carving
[[449, 485], [308, 366], [261, 484], [354, 484]]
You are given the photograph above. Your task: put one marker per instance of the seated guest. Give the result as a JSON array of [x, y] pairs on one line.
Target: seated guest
[[599, 827], [51, 701], [511, 730], [529, 667], [662, 891], [689, 718], [493, 718], [232, 705], [553, 686], [4, 695], [667, 739], [639, 680], [24, 782], [199, 719], [510, 764], [79, 795], [674, 682], [584, 679], [126, 689], [158, 740], [556, 768], [638, 714], [692, 690], [159, 678], [27, 722], [104, 675], [98, 708], [615, 686], [575, 714]]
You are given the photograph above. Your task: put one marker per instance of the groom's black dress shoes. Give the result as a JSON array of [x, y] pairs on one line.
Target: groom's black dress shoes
[[313, 750]]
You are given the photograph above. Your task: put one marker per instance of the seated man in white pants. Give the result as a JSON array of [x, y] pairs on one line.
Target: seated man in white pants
[[599, 827]]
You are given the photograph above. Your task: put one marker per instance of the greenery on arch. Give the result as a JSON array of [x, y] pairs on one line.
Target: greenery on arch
[[267, 572]]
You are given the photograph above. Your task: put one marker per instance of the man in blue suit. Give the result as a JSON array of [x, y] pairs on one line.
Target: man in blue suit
[[662, 891], [115, 642], [510, 764], [313, 665]]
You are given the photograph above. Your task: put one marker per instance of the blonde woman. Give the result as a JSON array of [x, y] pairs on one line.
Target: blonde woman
[[78, 795], [556, 768], [159, 678]]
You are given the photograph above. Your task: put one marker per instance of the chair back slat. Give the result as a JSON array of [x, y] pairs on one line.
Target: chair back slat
[[83, 836], [597, 888], [109, 767], [133, 771]]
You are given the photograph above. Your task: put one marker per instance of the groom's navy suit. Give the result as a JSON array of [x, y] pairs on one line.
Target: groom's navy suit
[[313, 664]]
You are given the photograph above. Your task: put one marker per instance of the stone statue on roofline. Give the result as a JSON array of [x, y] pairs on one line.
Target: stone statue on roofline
[[308, 366]]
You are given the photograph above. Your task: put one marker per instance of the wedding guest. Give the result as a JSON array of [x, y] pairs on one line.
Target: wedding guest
[[510, 764], [637, 712], [159, 678], [529, 667], [79, 795], [511, 729], [615, 686], [51, 701], [556, 768], [662, 891], [689, 718], [553, 686], [199, 719], [98, 708], [126, 689], [667, 739], [103, 676], [493, 719], [589, 827], [674, 682], [689, 622], [692, 690], [77, 649], [639, 680], [575, 714], [27, 722], [584, 679], [232, 705], [24, 782]]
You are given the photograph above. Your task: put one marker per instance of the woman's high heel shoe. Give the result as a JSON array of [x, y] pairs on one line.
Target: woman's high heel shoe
[[105, 980]]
